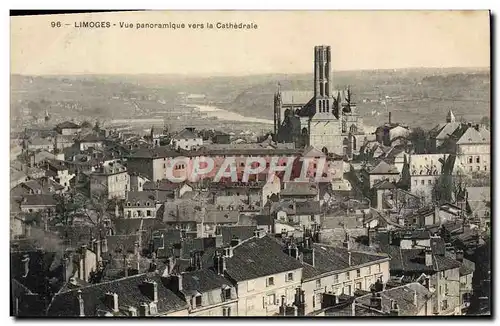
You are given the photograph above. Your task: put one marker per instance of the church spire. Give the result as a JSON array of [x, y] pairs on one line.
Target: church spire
[[450, 117]]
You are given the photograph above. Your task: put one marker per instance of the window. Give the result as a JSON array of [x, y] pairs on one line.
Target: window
[[429, 182], [271, 299], [347, 276], [422, 182], [148, 213], [369, 270], [358, 273], [270, 281], [470, 159], [242, 164], [416, 182], [347, 290], [226, 311], [336, 278], [139, 213], [470, 168], [289, 277], [318, 284], [164, 166], [485, 168], [250, 286], [478, 168], [446, 288], [477, 159], [378, 268], [445, 304], [358, 285], [197, 301], [227, 294], [129, 214]]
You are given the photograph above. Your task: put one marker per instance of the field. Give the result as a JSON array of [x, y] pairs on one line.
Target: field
[[419, 97]]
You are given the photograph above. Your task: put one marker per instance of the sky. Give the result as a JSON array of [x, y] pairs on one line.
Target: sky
[[282, 43]]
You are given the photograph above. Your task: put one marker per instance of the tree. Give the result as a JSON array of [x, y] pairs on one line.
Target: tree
[[86, 124], [485, 121], [420, 141]]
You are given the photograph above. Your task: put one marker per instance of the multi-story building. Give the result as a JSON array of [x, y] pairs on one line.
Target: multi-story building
[[142, 204], [425, 170], [473, 150], [110, 180], [337, 271], [187, 140], [263, 274]]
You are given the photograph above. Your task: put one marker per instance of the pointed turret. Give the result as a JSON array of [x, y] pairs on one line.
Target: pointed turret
[[450, 117]]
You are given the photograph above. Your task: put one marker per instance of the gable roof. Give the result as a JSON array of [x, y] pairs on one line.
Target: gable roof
[[259, 257], [405, 298], [186, 134], [130, 294], [203, 280], [38, 200], [68, 125], [296, 97], [384, 168], [299, 189], [236, 231], [472, 136], [447, 130]]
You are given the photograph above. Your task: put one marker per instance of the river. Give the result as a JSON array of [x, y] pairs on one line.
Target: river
[[208, 110]]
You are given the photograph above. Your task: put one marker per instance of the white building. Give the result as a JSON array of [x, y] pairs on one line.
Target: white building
[[187, 139], [111, 179]]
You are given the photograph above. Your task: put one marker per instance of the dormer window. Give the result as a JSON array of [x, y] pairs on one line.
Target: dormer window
[[147, 203], [197, 301], [138, 204], [128, 203]]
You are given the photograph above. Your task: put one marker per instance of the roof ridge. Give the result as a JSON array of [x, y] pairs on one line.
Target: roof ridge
[[108, 282]]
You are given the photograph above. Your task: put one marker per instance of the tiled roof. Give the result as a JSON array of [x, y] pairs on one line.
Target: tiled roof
[[259, 257], [68, 125], [472, 136], [299, 189], [384, 168], [186, 134], [307, 207], [447, 130], [203, 280], [38, 200], [144, 198], [384, 184], [163, 185], [264, 219], [221, 216], [182, 211], [156, 152], [240, 232], [329, 258], [405, 298], [122, 243], [130, 294], [413, 260]]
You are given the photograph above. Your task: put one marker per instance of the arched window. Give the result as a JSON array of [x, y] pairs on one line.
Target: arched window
[[344, 127], [353, 129]]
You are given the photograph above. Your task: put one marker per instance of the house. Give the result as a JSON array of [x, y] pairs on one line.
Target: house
[[473, 150], [443, 274], [90, 141], [68, 128], [151, 162], [206, 290], [299, 191], [38, 203], [39, 144], [17, 177], [221, 138], [64, 141], [36, 187], [442, 131], [156, 135], [110, 180], [388, 132], [137, 181], [59, 172], [412, 299], [265, 277], [382, 171], [425, 170], [187, 140], [142, 204], [138, 295], [330, 272], [479, 202]]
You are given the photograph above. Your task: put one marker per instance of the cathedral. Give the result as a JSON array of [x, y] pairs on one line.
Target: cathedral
[[325, 118]]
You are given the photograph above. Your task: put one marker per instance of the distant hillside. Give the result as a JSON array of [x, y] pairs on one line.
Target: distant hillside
[[419, 97]]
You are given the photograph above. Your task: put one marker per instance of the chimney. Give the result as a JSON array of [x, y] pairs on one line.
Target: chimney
[[394, 308], [428, 257], [350, 258], [26, 265], [144, 309], [415, 302], [459, 256], [81, 303], [104, 247], [353, 307], [151, 290], [111, 301], [132, 312], [125, 266], [179, 282], [137, 256], [436, 213], [65, 269], [390, 116], [376, 301], [220, 263]]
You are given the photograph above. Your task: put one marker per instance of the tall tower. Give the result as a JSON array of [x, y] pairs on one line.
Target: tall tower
[[322, 83]]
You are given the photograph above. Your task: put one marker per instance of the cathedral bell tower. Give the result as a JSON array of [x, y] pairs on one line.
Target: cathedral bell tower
[[322, 82]]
